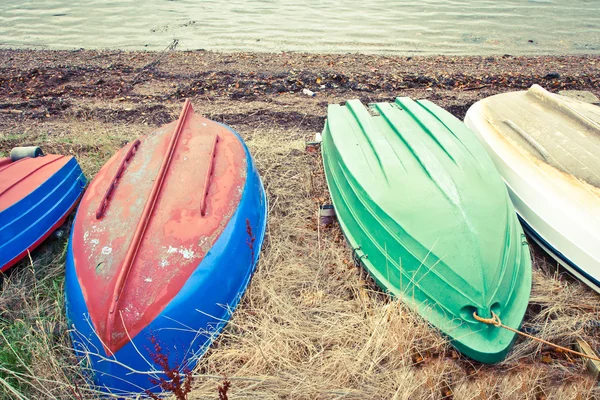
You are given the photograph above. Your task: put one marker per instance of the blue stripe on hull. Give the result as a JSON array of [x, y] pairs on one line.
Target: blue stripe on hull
[[562, 258], [27, 221], [191, 321]]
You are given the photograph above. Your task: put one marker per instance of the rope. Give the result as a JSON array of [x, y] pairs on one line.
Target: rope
[[495, 320]]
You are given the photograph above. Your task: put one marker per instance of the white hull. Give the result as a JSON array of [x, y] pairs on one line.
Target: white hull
[[561, 210]]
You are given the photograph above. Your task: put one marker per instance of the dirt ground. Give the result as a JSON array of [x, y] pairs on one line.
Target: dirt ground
[[250, 88], [280, 344]]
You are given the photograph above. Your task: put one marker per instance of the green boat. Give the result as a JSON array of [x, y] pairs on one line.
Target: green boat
[[428, 215]]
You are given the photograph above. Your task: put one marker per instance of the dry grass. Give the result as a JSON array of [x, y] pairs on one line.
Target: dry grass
[[312, 324]]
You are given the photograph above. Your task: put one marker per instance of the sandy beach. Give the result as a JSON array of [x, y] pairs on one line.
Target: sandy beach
[[312, 324]]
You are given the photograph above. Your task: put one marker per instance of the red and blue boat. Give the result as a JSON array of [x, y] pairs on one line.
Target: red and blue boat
[[37, 194], [164, 243]]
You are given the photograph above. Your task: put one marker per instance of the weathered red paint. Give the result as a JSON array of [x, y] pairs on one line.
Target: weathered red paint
[[211, 157], [18, 179], [152, 235], [113, 182]]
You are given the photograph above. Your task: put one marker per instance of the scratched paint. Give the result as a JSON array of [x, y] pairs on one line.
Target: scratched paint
[[186, 253], [177, 236]]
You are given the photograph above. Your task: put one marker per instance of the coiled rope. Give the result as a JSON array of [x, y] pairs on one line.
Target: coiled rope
[[495, 320]]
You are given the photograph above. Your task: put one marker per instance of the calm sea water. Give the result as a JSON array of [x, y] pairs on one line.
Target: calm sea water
[[374, 26]]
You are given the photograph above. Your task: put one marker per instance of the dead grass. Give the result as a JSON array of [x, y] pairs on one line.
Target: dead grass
[[312, 324]]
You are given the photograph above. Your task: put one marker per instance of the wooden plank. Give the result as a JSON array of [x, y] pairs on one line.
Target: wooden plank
[[592, 366]]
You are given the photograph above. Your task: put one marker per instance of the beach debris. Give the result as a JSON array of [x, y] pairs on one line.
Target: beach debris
[[50, 88], [552, 75], [308, 92], [18, 153], [326, 214], [591, 364], [171, 47], [313, 146]]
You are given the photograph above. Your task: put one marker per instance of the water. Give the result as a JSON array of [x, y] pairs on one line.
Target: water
[[374, 26]]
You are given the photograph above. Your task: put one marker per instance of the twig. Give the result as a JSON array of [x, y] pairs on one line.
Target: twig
[[156, 61], [476, 87]]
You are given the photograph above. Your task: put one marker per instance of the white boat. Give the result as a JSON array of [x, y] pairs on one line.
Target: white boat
[[547, 149]]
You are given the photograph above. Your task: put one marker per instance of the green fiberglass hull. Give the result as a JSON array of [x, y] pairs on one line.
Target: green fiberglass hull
[[429, 217]]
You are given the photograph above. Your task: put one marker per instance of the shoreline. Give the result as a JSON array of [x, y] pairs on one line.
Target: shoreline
[[44, 82]]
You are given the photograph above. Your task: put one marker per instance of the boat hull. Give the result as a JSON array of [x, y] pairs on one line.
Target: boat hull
[[410, 216], [537, 189], [41, 194], [195, 314]]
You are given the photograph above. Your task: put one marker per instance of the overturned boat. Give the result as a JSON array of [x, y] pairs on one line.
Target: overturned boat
[[547, 149], [429, 217], [163, 247], [37, 194]]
